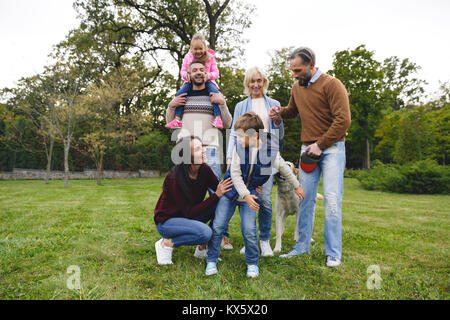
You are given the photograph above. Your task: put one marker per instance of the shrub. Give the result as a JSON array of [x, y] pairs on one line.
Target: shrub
[[421, 177], [153, 151], [351, 173]]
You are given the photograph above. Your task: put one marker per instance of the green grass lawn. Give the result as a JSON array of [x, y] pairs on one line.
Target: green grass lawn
[[109, 233]]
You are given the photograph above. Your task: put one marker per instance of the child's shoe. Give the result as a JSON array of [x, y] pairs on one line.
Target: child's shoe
[[252, 271], [211, 268], [218, 123], [333, 262], [174, 124]]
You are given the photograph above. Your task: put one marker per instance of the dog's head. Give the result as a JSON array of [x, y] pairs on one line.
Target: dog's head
[[293, 168]]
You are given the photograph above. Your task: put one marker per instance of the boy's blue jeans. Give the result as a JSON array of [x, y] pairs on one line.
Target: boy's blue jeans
[[331, 166], [265, 210], [224, 211], [211, 87], [213, 161]]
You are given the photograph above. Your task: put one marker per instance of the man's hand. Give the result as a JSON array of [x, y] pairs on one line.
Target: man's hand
[[259, 189], [274, 114], [250, 199], [314, 150], [300, 192], [217, 98], [178, 101], [223, 187]]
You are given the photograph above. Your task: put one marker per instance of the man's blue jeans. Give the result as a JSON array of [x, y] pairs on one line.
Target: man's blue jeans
[[331, 166], [265, 211], [224, 211]]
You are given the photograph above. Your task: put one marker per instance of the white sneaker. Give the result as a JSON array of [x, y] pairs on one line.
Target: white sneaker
[[252, 271], [163, 254], [226, 244], [266, 250], [333, 262], [242, 250], [200, 254]]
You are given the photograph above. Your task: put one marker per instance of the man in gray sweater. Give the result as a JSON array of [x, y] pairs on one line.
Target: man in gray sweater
[[198, 117]]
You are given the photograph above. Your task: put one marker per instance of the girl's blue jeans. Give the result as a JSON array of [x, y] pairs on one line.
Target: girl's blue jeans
[[331, 167], [211, 87]]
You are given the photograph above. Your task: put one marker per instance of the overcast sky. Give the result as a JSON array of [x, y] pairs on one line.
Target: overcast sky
[[418, 30]]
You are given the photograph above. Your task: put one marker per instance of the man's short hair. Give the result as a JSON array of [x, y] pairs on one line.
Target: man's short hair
[[305, 53], [194, 62], [249, 121]]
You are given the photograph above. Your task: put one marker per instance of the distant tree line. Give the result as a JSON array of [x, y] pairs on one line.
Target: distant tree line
[[102, 103]]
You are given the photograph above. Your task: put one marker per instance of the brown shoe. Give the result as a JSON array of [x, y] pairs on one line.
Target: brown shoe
[[226, 244]]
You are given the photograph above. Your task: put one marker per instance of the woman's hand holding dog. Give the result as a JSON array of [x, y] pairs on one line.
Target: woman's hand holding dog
[[250, 199], [223, 187], [300, 192]]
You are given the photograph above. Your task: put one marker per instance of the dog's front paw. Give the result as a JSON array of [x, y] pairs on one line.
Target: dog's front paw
[[277, 249]]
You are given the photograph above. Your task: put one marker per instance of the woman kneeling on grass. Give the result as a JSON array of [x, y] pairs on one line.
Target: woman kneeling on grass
[[182, 212]]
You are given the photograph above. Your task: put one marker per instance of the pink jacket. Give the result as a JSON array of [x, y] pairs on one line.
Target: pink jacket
[[210, 66]]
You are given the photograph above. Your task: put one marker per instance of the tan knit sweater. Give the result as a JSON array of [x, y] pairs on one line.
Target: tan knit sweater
[[324, 111]]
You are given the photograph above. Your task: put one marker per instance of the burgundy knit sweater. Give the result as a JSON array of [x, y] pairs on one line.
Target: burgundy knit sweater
[[173, 204]]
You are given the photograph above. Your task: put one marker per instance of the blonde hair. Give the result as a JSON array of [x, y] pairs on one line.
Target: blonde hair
[[200, 37], [250, 74]]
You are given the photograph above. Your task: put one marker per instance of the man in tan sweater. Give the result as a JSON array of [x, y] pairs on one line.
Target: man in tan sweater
[[322, 103]]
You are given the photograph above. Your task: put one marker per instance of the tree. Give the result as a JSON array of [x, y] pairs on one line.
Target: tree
[[162, 27], [31, 100], [400, 88], [65, 84], [386, 136], [361, 74], [280, 85], [104, 123], [413, 136]]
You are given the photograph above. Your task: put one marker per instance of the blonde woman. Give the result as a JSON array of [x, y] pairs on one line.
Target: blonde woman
[[255, 86]]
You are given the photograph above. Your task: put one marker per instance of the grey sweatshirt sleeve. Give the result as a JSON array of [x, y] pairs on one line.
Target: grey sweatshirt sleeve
[[236, 175], [285, 171]]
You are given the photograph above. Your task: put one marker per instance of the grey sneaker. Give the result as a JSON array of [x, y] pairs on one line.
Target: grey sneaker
[[200, 254], [291, 254], [333, 262]]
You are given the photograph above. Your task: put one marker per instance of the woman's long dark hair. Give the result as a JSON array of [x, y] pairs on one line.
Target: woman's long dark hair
[[182, 170]]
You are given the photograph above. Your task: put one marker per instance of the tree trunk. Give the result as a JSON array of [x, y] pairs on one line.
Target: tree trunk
[[367, 157], [49, 160], [66, 163], [100, 171]]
